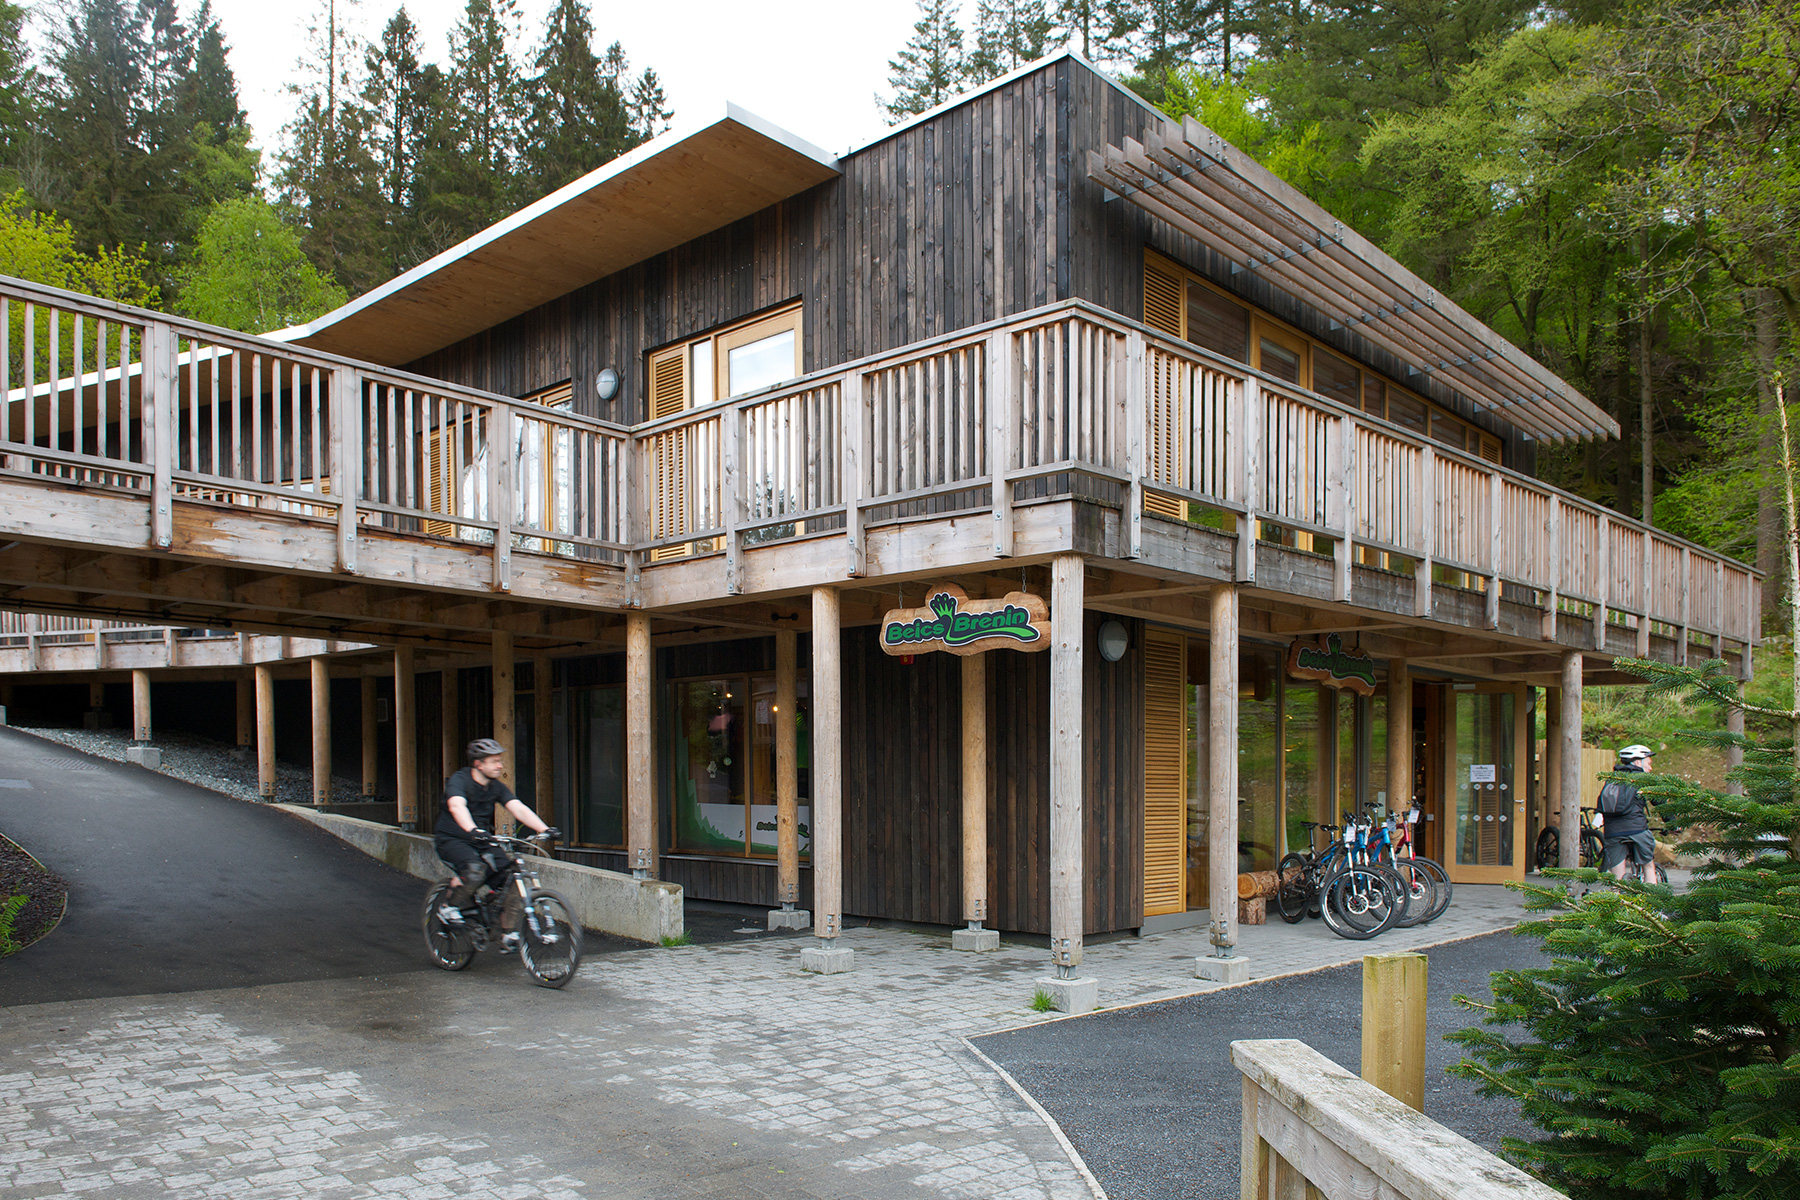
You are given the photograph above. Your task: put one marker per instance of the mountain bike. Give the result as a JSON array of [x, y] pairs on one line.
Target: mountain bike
[[1548, 851], [550, 936], [1356, 899], [1401, 848]]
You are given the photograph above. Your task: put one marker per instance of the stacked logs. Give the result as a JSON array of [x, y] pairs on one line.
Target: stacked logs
[[1254, 889]]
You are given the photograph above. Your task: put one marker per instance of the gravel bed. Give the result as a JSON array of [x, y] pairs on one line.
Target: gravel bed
[[44, 892], [204, 762]]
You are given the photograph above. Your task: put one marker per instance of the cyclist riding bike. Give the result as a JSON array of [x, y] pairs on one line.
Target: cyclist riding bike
[[1626, 820], [464, 835]]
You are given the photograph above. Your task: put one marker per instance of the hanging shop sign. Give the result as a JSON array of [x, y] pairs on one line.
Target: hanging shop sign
[[1332, 665], [953, 622]]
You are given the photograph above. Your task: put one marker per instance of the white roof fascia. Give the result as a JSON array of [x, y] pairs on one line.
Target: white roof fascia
[[493, 233]]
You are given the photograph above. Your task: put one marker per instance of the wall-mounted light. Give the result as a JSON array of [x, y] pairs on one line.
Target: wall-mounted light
[[607, 385], [1114, 640]]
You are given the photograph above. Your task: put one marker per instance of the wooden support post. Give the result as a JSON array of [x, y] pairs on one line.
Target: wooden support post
[[1426, 493], [505, 714], [500, 496], [640, 751], [1342, 482], [140, 706], [1603, 553], [406, 750], [346, 466], [158, 437], [1496, 525], [1400, 740], [974, 790], [1067, 893], [449, 724], [1246, 447], [371, 756], [854, 466], [732, 494], [543, 739], [1553, 757], [999, 352], [246, 709], [265, 732], [1569, 786], [1136, 432], [321, 730], [787, 771], [1393, 1025], [827, 767], [1222, 764], [1553, 567], [97, 699]]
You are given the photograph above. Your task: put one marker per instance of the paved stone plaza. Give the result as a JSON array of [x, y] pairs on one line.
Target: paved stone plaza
[[716, 1070]]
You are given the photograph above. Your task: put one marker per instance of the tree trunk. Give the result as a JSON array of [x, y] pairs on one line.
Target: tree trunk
[[1648, 510], [1770, 559]]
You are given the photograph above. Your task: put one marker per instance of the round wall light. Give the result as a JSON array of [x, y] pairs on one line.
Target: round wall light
[[607, 385], [1114, 640]]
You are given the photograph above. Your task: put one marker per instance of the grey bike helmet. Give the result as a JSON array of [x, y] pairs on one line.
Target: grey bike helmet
[[484, 748], [1633, 753]]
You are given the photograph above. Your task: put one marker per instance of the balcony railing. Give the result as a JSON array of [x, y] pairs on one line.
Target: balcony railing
[[984, 420]]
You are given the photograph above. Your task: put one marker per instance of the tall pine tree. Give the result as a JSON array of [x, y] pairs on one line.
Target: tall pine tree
[[579, 116], [931, 67], [1008, 34]]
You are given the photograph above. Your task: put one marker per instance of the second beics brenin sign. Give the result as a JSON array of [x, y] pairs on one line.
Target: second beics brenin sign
[[952, 622]]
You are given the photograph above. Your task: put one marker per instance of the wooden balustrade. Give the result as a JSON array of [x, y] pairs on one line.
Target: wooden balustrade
[[113, 397]]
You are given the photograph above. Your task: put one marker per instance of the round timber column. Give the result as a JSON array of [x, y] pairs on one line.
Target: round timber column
[[640, 750]]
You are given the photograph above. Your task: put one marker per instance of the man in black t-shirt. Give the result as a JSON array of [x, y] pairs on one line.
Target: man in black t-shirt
[[464, 834], [1627, 830]]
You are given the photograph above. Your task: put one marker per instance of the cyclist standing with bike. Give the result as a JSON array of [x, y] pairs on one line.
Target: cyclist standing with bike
[[464, 834], [1627, 821]]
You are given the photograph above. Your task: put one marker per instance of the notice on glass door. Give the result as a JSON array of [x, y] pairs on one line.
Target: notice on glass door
[[1481, 772]]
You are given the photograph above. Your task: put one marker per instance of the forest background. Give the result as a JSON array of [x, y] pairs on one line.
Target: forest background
[[1612, 184]]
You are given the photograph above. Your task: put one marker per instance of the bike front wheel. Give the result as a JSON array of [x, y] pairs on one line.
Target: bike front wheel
[[550, 942], [450, 948], [1360, 902], [1549, 849], [1291, 893]]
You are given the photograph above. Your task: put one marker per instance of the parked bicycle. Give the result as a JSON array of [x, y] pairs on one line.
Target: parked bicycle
[[1402, 849], [1548, 851], [1356, 898], [550, 936]]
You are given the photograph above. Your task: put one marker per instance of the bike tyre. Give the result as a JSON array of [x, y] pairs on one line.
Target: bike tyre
[[1593, 850], [1548, 849], [1292, 894], [1358, 903], [551, 953], [450, 949], [1439, 877], [1420, 888]]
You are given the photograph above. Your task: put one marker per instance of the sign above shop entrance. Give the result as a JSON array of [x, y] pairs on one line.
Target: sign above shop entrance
[[1332, 665], [953, 622]]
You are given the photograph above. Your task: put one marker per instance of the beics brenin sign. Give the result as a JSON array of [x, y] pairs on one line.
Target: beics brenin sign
[[1332, 665], [953, 622]]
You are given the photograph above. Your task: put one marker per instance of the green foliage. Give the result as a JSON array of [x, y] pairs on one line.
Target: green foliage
[[1658, 1052], [1238, 115], [9, 912], [930, 68], [1008, 34], [1042, 1001], [578, 117], [45, 249], [250, 273], [684, 939]]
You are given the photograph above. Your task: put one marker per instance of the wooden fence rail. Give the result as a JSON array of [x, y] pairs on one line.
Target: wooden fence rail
[[1311, 1128], [1067, 398]]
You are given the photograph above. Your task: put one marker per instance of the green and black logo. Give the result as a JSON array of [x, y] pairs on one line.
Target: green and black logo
[[951, 621]]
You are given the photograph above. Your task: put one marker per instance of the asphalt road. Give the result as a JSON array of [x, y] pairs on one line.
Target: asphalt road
[[1149, 1097], [173, 888]]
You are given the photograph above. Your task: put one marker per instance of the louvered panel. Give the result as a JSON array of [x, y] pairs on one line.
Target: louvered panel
[[668, 382], [1162, 300], [1165, 773], [1168, 414], [1490, 449], [440, 481]]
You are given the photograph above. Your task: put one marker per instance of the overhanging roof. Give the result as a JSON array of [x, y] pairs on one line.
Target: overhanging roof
[[1196, 181], [678, 187]]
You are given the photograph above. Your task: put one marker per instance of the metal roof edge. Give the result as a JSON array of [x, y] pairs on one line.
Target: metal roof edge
[[625, 162]]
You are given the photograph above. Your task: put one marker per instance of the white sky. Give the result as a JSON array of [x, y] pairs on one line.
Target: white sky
[[810, 66]]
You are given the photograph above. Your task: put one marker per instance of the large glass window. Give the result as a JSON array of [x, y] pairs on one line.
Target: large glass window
[[599, 727], [722, 753], [1259, 758]]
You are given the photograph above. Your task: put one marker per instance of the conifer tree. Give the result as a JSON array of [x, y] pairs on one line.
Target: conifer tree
[[404, 100], [580, 117], [473, 168], [931, 67], [1008, 34], [1661, 1047], [19, 92], [93, 122]]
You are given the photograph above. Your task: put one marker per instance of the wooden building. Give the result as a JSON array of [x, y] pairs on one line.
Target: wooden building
[[683, 432]]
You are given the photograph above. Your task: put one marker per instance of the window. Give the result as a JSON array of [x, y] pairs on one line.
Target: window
[[1215, 323], [733, 361], [598, 726], [723, 757], [1277, 357], [1405, 411], [1336, 379]]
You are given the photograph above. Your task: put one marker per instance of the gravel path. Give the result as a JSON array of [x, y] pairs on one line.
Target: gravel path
[[209, 764]]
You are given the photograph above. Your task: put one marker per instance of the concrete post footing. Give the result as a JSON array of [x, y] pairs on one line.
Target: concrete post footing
[[1235, 969], [148, 757], [1073, 996], [975, 940], [789, 918], [828, 960]]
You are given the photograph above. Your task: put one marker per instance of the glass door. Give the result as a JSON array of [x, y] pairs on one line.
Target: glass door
[[1485, 840]]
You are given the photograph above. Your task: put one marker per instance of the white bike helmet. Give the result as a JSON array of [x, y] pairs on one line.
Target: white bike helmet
[[1634, 753]]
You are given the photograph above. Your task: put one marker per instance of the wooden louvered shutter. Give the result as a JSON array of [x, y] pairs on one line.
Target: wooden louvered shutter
[[668, 396], [1162, 299], [440, 477], [1165, 773], [1490, 449]]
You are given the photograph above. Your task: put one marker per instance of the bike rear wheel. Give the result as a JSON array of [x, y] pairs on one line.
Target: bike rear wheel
[[1549, 849], [1360, 902], [1419, 892], [1292, 893], [1441, 882], [550, 943], [451, 949]]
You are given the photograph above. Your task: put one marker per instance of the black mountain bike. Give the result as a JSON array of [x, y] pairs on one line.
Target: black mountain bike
[[1549, 844], [550, 936]]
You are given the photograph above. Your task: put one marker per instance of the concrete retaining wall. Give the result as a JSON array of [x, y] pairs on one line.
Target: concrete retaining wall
[[646, 910]]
